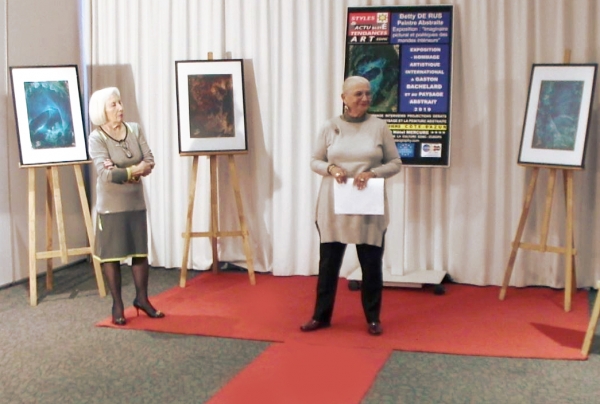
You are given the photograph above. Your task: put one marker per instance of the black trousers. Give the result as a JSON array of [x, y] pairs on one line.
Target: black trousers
[[370, 258]]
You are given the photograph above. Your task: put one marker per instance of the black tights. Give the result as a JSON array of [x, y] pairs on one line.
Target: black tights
[[140, 270]]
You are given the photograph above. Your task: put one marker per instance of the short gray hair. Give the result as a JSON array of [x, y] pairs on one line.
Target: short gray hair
[[353, 80], [98, 103]]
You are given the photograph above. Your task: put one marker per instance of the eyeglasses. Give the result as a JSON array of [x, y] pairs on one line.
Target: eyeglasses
[[123, 145]]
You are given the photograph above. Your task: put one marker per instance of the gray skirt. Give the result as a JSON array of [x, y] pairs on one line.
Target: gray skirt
[[121, 235]]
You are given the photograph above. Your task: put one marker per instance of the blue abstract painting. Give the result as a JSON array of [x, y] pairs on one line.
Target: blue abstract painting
[[380, 65], [49, 114], [557, 115]]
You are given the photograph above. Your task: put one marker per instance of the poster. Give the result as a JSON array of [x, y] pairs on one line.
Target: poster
[[406, 54]]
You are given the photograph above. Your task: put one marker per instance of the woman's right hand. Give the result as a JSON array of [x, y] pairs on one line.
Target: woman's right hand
[[108, 164], [142, 169], [339, 174]]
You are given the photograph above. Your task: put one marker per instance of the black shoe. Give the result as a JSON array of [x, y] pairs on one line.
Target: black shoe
[[117, 317], [148, 309], [314, 325], [375, 328]]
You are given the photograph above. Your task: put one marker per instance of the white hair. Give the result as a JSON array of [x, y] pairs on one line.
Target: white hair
[[98, 103], [352, 81]]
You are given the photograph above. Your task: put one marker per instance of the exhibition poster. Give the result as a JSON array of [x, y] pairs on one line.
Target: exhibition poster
[[406, 54]]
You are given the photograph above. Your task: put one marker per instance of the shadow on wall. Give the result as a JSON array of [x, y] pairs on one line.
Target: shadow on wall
[[71, 207], [256, 191], [120, 76], [586, 231], [102, 76]]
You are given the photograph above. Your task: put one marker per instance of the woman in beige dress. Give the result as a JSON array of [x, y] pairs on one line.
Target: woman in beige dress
[[360, 146]]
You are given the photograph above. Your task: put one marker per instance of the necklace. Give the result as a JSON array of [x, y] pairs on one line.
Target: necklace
[[121, 143], [354, 119]]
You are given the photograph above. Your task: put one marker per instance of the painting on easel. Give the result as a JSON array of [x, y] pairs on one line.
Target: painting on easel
[[558, 115], [48, 114], [210, 107]]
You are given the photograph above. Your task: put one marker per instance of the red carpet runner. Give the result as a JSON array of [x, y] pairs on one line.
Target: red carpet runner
[[296, 373], [467, 320], [344, 360]]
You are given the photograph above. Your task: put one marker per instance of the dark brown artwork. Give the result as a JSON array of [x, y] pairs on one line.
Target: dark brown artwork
[[211, 105]]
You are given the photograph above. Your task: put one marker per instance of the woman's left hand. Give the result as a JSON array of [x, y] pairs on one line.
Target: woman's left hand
[[360, 181]]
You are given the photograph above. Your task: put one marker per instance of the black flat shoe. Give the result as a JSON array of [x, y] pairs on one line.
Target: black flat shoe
[[148, 309], [375, 329], [314, 325]]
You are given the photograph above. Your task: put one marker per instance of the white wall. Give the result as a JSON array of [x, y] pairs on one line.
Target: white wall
[[34, 32]]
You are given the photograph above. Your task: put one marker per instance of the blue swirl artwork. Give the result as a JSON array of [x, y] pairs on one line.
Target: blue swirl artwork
[[557, 115], [380, 65], [49, 114]]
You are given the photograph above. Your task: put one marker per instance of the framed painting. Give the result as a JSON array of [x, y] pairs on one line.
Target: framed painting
[[211, 107], [48, 115], [557, 116]]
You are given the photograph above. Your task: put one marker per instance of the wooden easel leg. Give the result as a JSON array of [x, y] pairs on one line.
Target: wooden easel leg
[[87, 218], [49, 214], [62, 238], [214, 213], [242, 219], [569, 256], [589, 335], [547, 209], [188, 227], [32, 249], [566, 175], [519, 235]]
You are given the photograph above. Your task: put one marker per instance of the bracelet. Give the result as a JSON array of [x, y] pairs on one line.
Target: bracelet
[[374, 173], [128, 173], [329, 168]]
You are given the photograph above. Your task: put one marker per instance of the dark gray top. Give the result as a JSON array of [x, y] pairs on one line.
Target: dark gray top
[[113, 192]]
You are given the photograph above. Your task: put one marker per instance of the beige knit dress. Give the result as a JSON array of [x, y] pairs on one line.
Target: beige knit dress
[[356, 147]]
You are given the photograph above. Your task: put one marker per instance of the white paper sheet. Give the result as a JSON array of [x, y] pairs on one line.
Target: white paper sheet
[[348, 200]]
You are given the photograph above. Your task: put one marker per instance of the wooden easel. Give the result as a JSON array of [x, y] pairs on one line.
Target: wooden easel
[[589, 335], [569, 251], [54, 202], [214, 232]]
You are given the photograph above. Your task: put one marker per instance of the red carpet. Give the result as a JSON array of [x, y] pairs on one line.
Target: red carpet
[[468, 320], [339, 364], [297, 373]]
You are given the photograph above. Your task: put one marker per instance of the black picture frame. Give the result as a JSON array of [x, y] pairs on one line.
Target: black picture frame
[[48, 114], [557, 116], [211, 113]]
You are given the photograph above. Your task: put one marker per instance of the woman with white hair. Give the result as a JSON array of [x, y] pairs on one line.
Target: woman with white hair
[[360, 146], [121, 157]]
